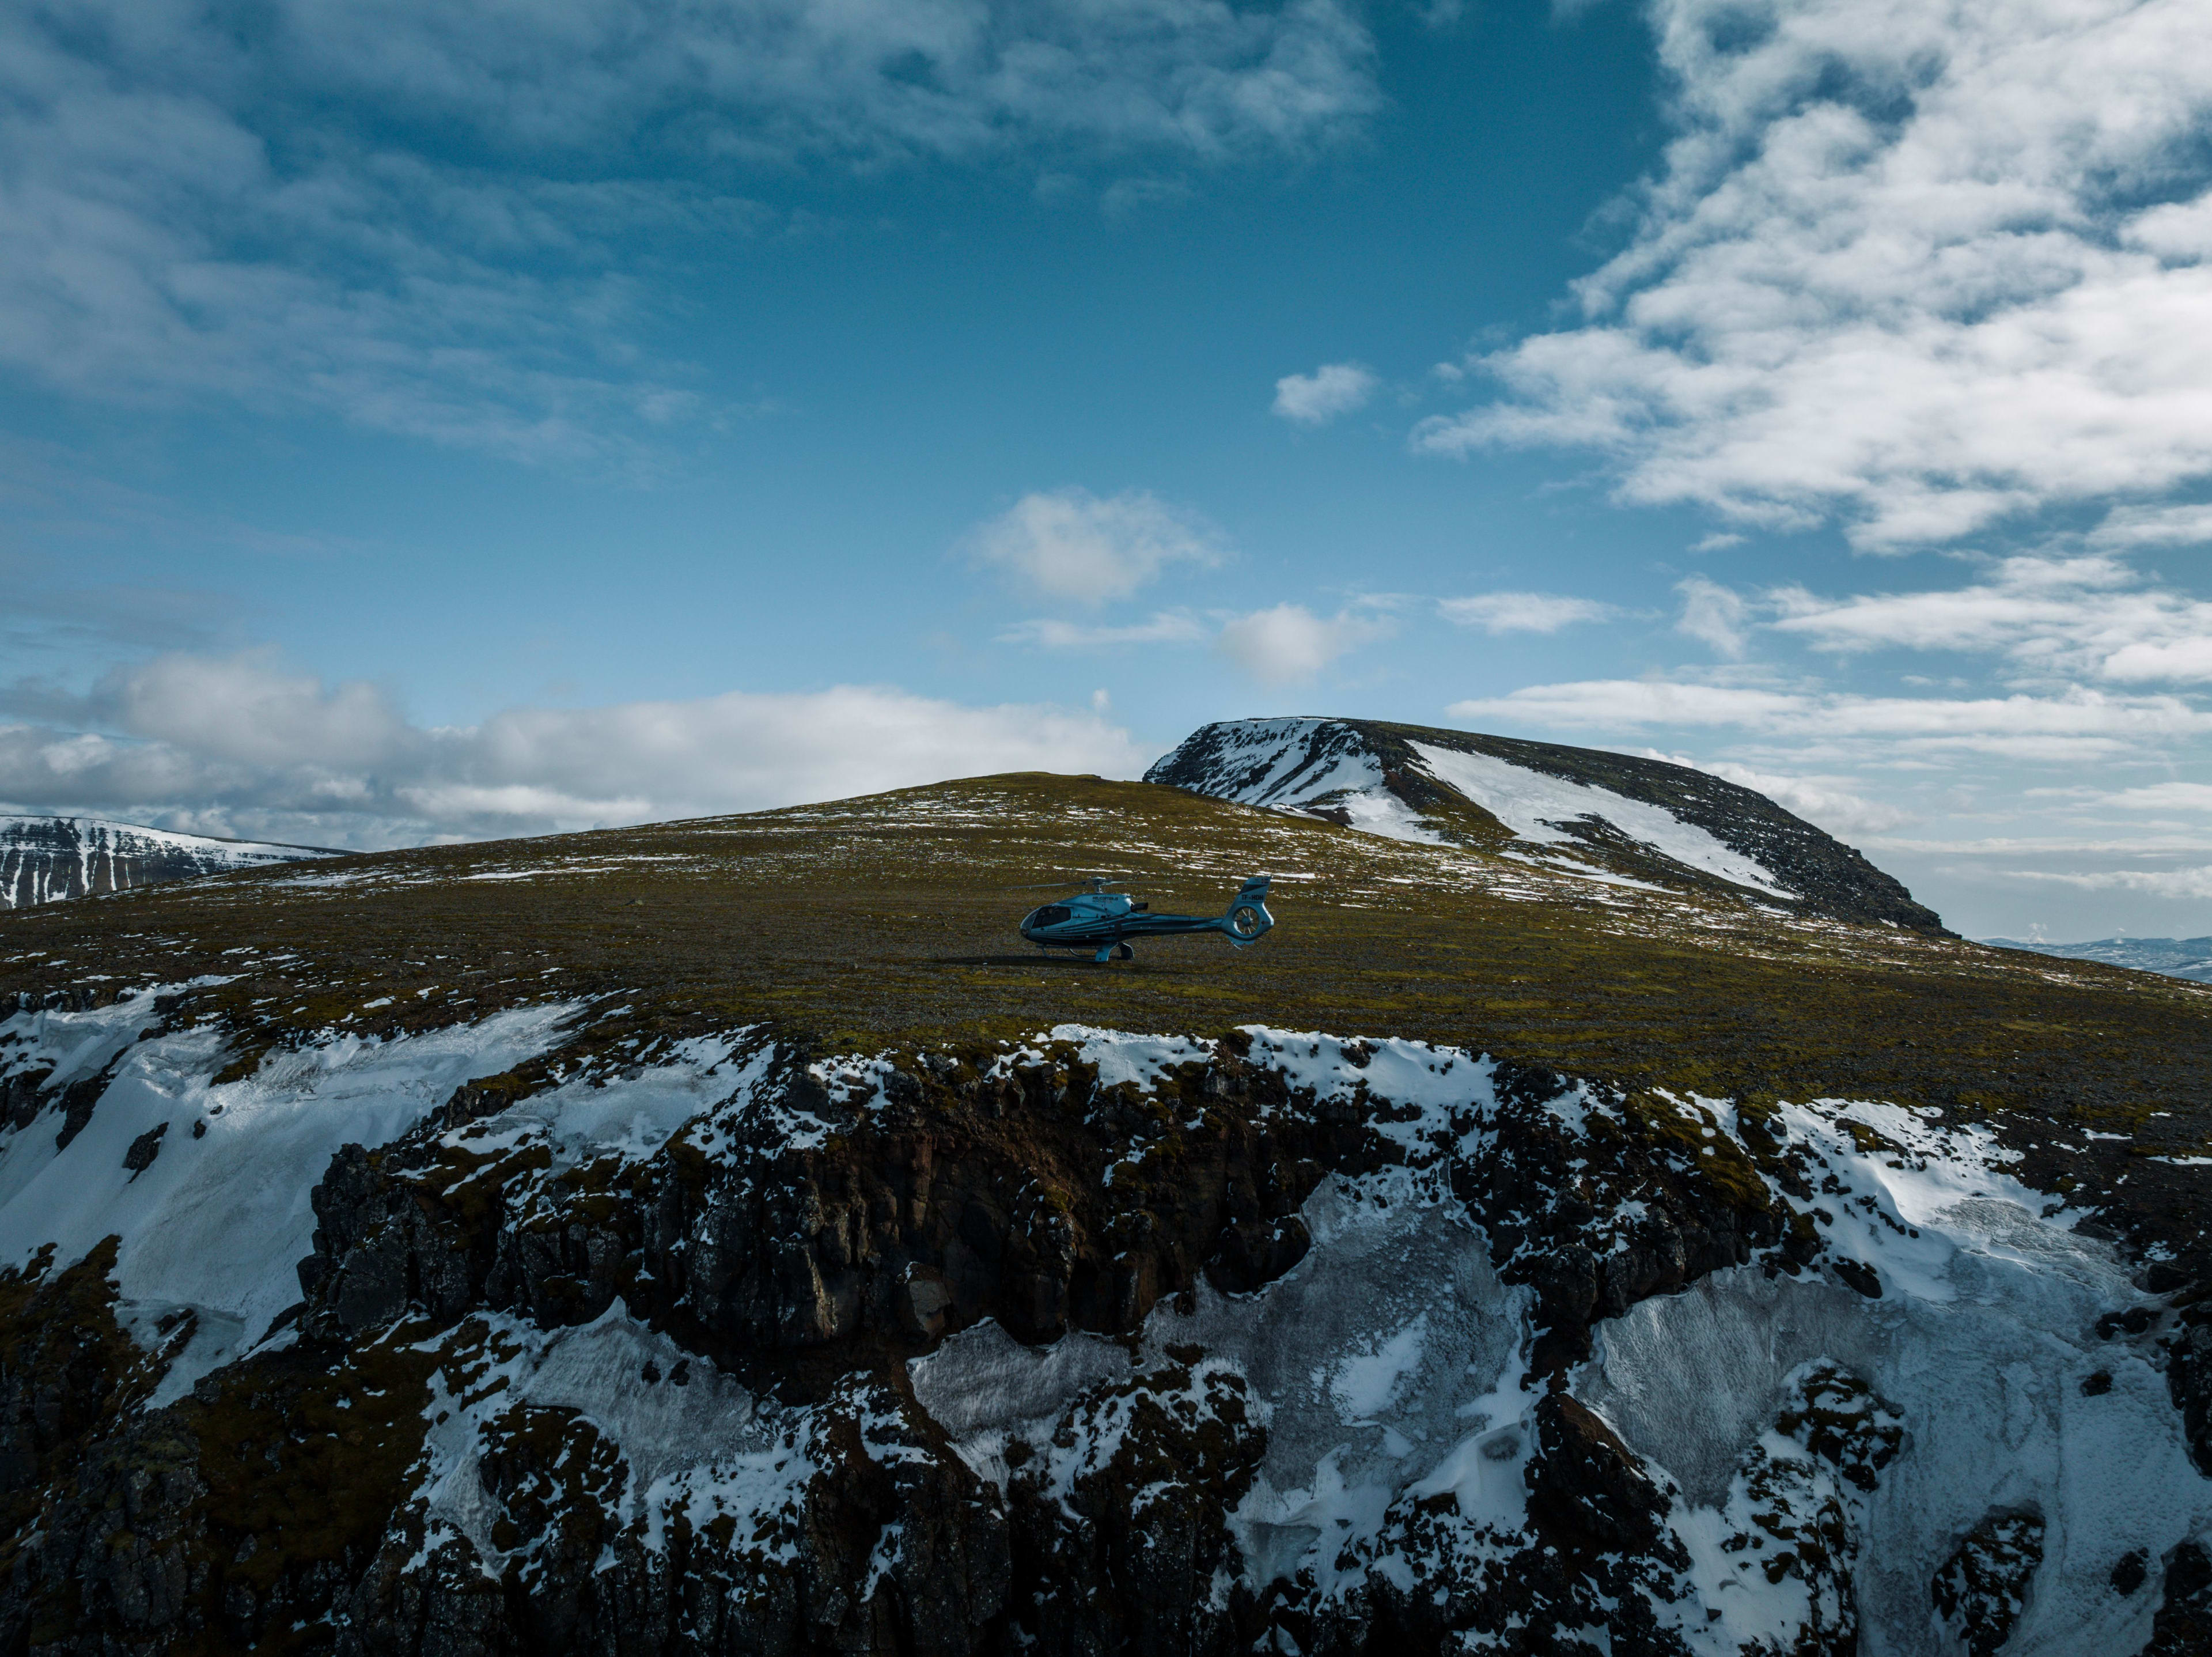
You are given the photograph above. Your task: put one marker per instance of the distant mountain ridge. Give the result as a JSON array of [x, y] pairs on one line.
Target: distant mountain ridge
[[1608, 816], [2172, 957], [43, 859]]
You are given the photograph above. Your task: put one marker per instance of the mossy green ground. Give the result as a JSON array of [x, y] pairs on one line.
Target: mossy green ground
[[890, 921]]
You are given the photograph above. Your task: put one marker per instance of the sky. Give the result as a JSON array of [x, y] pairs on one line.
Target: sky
[[422, 423]]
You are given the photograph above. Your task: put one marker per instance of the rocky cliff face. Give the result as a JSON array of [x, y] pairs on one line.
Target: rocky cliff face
[[1577, 810], [46, 858], [672, 1342]]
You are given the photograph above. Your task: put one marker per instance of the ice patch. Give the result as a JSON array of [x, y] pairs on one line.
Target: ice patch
[[1366, 1383], [708, 1447], [1983, 1341]]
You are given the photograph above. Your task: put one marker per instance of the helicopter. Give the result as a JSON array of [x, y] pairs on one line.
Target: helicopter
[[1104, 920]]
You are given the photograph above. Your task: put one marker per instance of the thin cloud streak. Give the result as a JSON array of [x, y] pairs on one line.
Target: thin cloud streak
[[193, 212], [1498, 613], [2078, 723]]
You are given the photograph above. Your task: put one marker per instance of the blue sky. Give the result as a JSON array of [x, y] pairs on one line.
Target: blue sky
[[418, 422]]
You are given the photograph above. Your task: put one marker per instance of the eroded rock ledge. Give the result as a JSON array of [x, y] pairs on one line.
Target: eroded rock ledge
[[1057, 1348]]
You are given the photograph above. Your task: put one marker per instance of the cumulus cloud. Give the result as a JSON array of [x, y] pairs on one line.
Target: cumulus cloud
[[261, 205], [1070, 544], [1317, 399], [1899, 270], [2079, 724], [238, 745], [1289, 644], [1522, 613]]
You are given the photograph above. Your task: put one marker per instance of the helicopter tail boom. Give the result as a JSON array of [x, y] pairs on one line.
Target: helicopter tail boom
[[1247, 920]]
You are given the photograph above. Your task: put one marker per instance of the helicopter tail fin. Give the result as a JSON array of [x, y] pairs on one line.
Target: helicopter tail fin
[[1247, 920]]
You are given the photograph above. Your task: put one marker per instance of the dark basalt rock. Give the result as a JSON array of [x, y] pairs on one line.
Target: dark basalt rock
[[144, 1149], [272, 1501], [1984, 1587], [2183, 1627]]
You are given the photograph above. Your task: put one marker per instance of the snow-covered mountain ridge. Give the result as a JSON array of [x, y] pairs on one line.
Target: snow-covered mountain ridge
[[46, 858], [725, 1237], [1580, 811], [2176, 958]]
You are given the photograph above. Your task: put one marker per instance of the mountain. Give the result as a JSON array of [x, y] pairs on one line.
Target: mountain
[[2176, 958], [46, 858], [725, 1237], [1579, 811]]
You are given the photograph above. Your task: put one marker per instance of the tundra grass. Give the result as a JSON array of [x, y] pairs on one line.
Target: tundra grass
[[889, 922]]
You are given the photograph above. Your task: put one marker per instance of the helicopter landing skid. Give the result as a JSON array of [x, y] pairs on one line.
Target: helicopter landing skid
[[1114, 952]]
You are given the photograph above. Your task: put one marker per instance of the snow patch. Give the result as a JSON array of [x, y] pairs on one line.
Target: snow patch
[[219, 1221], [1533, 806]]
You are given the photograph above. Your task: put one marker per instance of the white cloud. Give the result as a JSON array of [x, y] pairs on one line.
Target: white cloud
[[1522, 613], [2164, 796], [260, 206], [2155, 525], [1712, 614], [1288, 643], [1822, 801], [1896, 271], [1166, 627], [245, 709], [240, 746], [2152, 882], [1070, 544], [1316, 399], [2089, 615], [2076, 725], [865, 77]]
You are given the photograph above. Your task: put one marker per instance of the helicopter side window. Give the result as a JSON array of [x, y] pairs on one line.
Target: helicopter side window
[[1051, 915]]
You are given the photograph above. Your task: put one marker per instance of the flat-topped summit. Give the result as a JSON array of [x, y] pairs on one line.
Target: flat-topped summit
[[1608, 816], [46, 858]]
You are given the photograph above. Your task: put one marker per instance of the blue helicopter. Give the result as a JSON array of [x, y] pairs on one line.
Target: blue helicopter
[[1102, 920]]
